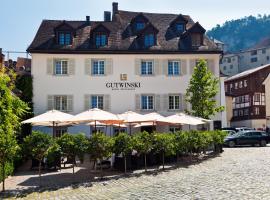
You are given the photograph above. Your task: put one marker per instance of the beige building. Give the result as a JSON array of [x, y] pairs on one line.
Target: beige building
[[136, 61], [266, 83]]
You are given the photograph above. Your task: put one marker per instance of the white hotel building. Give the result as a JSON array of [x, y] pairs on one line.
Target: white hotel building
[[132, 61]]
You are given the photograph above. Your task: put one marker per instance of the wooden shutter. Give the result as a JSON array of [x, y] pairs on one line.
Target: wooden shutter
[[165, 67], [192, 64], [50, 66], [157, 67], [138, 102], [87, 103], [87, 66], [71, 66], [184, 103], [138, 66], [183, 67], [109, 66], [165, 102], [107, 102], [211, 66], [157, 102], [50, 102], [69, 103]]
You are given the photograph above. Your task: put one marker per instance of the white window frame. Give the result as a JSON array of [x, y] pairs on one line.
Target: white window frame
[[63, 72], [98, 101], [59, 131], [61, 106], [148, 102], [99, 72], [174, 106], [175, 64], [147, 63]]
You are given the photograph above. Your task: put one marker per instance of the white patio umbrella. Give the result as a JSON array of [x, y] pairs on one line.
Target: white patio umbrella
[[50, 118], [131, 117], [96, 115], [181, 118]]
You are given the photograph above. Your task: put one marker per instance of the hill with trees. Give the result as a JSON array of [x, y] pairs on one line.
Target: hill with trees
[[242, 33]]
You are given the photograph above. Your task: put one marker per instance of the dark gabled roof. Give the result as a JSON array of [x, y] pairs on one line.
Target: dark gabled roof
[[168, 41]]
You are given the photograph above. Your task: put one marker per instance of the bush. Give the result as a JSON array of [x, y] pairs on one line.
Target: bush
[[8, 170]]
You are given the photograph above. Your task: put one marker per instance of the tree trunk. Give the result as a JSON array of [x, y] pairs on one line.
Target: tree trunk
[[39, 172], [145, 166], [125, 160], [3, 174], [163, 160], [177, 158]]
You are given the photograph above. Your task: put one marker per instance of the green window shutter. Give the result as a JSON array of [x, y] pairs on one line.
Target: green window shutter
[[50, 66], [87, 103], [107, 102], [71, 66], [137, 102], [138, 66], [50, 104], [69, 103], [109, 66], [87, 66]]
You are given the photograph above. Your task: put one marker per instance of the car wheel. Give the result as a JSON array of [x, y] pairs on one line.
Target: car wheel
[[263, 143], [231, 144]]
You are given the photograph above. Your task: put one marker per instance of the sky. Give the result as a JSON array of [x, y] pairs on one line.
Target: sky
[[20, 19]]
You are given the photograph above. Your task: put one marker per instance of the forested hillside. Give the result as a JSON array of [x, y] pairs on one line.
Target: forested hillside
[[242, 33]]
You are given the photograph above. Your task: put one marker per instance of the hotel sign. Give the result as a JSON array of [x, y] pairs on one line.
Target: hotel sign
[[123, 85]]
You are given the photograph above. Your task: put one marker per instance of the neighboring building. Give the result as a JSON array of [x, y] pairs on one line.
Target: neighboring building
[[2, 58], [246, 93], [266, 84], [134, 61], [23, 65], [258, 55]]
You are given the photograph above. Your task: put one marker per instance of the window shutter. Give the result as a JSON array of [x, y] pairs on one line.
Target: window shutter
[[165, 67], [50, 66], [107, 102], [92, 67], [138, 66], [192, 64], [71, 66], [109, 66], [157, 67], [69, 103], [183, 102], [157, 102], [50, 102], [138, 102], [87, 66], [183, 67], [165, 102], [211, 66], [87, 103]]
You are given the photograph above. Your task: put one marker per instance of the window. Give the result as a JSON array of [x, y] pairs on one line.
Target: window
[[231, 66], [147, 68], [263, 51], [253, 53], [267, 58], [179, 27], [174, 129], [60, 131], [173, 68], [61, 67], [246, 111], [98, 67], [259, 99], [101, 39], [253, 60], [257, 111], [196, 40], [97, 101], [64, 38], [60, 103], [149, 40], [236, 85], [224, 68], [174, 102], [140, 26], [229, 60], [240, 84], [245, 83], [235, 113], [241, 112], [241, 101], [147, 102]]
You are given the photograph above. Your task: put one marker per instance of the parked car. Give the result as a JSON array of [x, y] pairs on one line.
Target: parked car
[[247, 138], [229, 132], [229, 129], [244, 129]]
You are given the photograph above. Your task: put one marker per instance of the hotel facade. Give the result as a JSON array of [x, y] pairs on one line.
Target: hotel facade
[[131, 61]]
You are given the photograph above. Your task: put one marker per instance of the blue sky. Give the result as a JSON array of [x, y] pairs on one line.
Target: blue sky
[[20, 19]]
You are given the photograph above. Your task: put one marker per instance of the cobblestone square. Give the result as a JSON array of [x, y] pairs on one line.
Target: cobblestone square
[[238, 173]]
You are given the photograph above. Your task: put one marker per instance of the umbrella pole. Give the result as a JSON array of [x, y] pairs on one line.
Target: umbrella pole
[[95, 126], [129, 128], [110, 131], [53, 129]]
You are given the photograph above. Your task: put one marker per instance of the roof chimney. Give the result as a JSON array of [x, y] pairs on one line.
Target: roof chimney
[[115, 7], [87, 18], [107, 16]]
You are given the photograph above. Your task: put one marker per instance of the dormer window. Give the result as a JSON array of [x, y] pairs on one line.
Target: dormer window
[[64, 38], [196, 39], [149, 40], [140, 26], [180, 27], [101, 40]]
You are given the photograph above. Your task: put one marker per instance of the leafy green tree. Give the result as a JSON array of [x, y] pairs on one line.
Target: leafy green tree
[[123, 144], [54, 155], [11, 109], [164, 143], [100, 146], [143, 144], [201, 92], [38, 144]]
